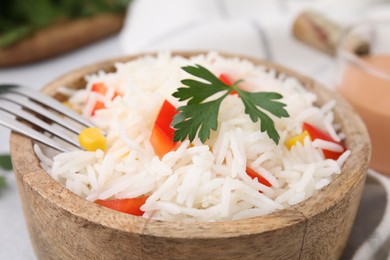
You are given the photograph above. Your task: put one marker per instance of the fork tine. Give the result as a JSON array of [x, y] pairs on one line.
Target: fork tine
[[25, 102], [18, 112], [16, 126], [18, 102], [50, 102]]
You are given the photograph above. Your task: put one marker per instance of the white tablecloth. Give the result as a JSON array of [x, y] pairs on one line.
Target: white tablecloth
[[259, 28]]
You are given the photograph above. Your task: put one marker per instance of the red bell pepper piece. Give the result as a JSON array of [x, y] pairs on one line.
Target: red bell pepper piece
[[129, 206], [225, 79], [160, 141], [253, 174], [228, 81], [162, 133], [315, 133], [98, 105], [100, 88]]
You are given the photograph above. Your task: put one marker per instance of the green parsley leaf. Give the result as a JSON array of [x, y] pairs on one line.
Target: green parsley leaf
[[2, 182], [5, 162], [197, 91], [264, 100], [199, 117], [196, 116]]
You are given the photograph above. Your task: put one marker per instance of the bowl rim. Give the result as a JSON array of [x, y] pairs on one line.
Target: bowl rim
[[56, 195]]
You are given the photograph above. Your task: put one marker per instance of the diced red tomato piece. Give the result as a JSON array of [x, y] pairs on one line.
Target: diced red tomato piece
[[253, 174], [162, 133], [228, 81], [129, 206], [315, 133]]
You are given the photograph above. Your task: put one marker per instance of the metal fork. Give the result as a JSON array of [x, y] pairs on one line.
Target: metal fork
[[22, 103]]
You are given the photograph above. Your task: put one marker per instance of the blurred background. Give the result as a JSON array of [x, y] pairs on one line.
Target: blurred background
[[42, 40]]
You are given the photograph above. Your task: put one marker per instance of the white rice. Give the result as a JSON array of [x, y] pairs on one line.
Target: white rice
[[204, 182]]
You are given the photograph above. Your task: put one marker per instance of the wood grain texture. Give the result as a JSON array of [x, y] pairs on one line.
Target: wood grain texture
[[63, 225], [60, 38]]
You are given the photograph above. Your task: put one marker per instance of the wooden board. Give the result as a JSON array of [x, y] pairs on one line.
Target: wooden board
[[60, 38]]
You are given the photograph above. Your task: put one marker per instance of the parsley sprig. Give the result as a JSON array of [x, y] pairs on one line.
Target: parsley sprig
[[200, 116]]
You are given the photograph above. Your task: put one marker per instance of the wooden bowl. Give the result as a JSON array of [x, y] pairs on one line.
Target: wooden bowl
[[63, 225]]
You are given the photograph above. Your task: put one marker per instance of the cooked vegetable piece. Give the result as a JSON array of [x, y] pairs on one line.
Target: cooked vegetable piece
[[100, 88], [162, 133], [161, 142], [92, 139], [98, 105], [227, 80], [298, 138], [165, 117], [253, 174], [315, 133], [67, 104], [129, 206]]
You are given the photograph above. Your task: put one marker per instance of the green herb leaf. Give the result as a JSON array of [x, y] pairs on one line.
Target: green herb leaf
[[5, 162], [200, 118], [193, 118], [197, 91], [2, 182], [264, 100], [20, 18], [14, 36]]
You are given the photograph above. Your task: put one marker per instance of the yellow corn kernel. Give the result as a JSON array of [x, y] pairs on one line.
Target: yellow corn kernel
[[299, 138], [92, 139], [67, 104]]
